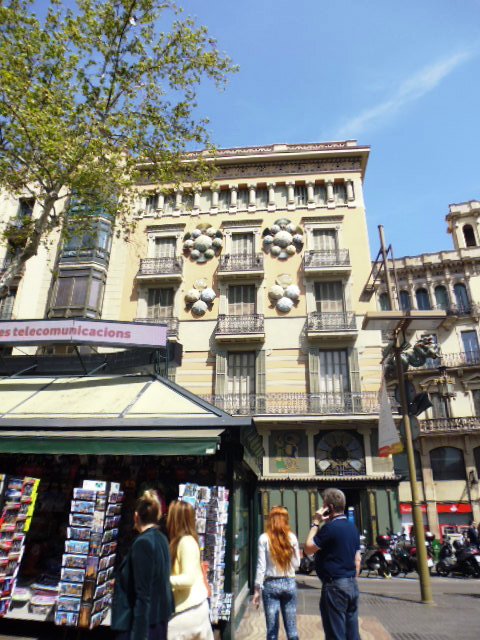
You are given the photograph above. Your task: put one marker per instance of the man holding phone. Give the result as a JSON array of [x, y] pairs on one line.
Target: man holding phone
[[336, 544]]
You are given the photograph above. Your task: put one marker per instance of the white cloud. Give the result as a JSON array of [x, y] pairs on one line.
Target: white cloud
[[411, 89]]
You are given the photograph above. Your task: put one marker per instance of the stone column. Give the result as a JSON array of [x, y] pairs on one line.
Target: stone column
[[271, 196], [330, 195], [365, 433], [350, 193], [215, 199], [310, 195], [252, 196], [290, 195], [233, 198], [196, 199], [161, 203], [178, 200]]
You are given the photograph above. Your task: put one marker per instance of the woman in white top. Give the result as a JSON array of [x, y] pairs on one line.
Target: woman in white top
[[278, 557]]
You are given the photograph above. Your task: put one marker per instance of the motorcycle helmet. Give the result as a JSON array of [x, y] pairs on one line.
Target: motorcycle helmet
[[429, 536], [457, 545], [383, 541]]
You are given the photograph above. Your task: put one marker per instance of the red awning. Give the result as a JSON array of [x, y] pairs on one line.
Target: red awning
[[455, 507]]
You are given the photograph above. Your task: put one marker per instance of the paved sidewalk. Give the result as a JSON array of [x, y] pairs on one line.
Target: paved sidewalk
[[389, 610]]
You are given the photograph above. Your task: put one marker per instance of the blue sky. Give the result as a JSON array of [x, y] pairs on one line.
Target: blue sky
[[402, 77]]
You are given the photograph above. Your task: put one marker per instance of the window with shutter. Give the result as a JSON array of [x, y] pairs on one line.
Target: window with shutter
[[324, 239], [242, 199], [241, 373], [242, 299], [301, 195], [333, 371], [242, 244], [165, 247], [329, 297], [224, 198], [151, 203], [160, 303]]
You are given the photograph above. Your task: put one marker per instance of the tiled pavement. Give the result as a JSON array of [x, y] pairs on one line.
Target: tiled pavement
[[389, 610]]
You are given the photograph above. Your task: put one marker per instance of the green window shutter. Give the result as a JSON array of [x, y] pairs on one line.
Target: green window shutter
[[355, 385], [260, 382], [314, 371], [221, 373]]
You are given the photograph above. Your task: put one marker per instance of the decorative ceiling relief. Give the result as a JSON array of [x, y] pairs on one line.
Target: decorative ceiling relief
[[200, 299], [204, 243], [284, 295], [283, 239]]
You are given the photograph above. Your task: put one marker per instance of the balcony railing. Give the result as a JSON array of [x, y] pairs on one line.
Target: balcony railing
[[338, 321], [172, 324], [452, 360], [326, 258], [95, 254], [246, 324], [450, 425], [297, 403], [241, 262], [160, 266]]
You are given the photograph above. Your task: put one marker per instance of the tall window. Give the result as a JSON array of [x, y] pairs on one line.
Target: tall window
[[384, 302], [169, 203], [320, 194], [324, 239], [242, 299], [243, 244], [329, 297], [476, 401], [6, 305], [151, 203], [470, 346], [333, 369], [405, 301], [469, 235], [160, 303], [340, 192], [447, 464], [25, 207], [165, 247], [423, 301], [441, 297], [78, 292], [242, 199], [241, 372], [188, 200], [224, 198], [439, 405], [261, 197], [461, 298], [300, 195]]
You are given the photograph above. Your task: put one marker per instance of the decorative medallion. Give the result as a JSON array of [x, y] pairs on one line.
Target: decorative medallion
[[200, 299], [283, 239], [204, 243], [284, 295], [339, 453]]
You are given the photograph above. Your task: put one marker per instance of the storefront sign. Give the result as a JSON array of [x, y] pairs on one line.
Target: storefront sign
[[406, 508], [454, 508], [80, 331]]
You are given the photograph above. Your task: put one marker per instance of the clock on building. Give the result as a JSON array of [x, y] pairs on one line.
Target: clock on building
[[339, 453]]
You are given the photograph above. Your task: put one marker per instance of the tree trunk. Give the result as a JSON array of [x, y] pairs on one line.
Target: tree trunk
[[16, 266]]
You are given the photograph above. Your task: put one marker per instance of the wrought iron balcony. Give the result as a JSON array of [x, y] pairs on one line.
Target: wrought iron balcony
[[244, 262], [172, 324], [161, 267], [331, 322], [450, 425], [297, 404], [94, 254], [248, 326], [326, 259]]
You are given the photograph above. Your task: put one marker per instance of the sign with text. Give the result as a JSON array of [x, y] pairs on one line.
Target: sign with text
[[81, 331]]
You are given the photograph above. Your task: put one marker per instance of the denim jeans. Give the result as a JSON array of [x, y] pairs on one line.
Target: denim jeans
[[339, 609], [280, 594]]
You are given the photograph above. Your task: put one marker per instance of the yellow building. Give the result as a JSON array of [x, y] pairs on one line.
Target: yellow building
[[259, 276], [448, 446]]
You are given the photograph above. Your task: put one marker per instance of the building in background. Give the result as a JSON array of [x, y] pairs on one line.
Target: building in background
[[259, 276], [448, 442]]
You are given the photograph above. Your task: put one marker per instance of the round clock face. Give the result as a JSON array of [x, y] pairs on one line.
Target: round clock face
[[339, 453]]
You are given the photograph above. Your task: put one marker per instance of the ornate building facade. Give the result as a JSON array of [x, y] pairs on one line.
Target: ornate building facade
[[259, 276], [448, 434]]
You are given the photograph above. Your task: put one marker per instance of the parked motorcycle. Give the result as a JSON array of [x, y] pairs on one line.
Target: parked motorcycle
[[379, 559], [458, 559]]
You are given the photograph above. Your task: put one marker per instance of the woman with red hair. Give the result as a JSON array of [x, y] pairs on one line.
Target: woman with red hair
[[278, 557]]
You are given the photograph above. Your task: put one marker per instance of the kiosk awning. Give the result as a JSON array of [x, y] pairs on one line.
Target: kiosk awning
[[108, 415]]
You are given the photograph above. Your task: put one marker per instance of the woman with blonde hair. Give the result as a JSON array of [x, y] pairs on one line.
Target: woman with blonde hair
[[191, 620], [278, 557]]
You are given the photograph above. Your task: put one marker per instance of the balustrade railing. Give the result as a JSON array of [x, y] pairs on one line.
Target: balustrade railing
[[340, 321], [172, 323], [253, 323], [159, 266], [241, 262], [297, 403], [317, 259], [461, 424], [463, 359]]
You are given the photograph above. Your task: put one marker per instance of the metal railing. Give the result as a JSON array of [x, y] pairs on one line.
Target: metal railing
[[253, 323], [297, 403], [241, 262], [336, 321], [438, 425], [451, 360], [172, 323], [158, 266], [82, 255], [317, 259]]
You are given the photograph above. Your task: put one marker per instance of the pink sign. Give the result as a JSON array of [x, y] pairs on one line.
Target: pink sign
[[79, 331]]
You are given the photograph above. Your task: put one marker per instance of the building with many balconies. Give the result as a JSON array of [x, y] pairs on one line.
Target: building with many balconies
[[448, 434]]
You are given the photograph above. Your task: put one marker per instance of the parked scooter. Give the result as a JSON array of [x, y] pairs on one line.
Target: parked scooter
[[459, 559], [429, 538], [379, 559]]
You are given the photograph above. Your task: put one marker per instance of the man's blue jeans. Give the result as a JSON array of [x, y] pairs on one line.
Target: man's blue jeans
[[339, 609]]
